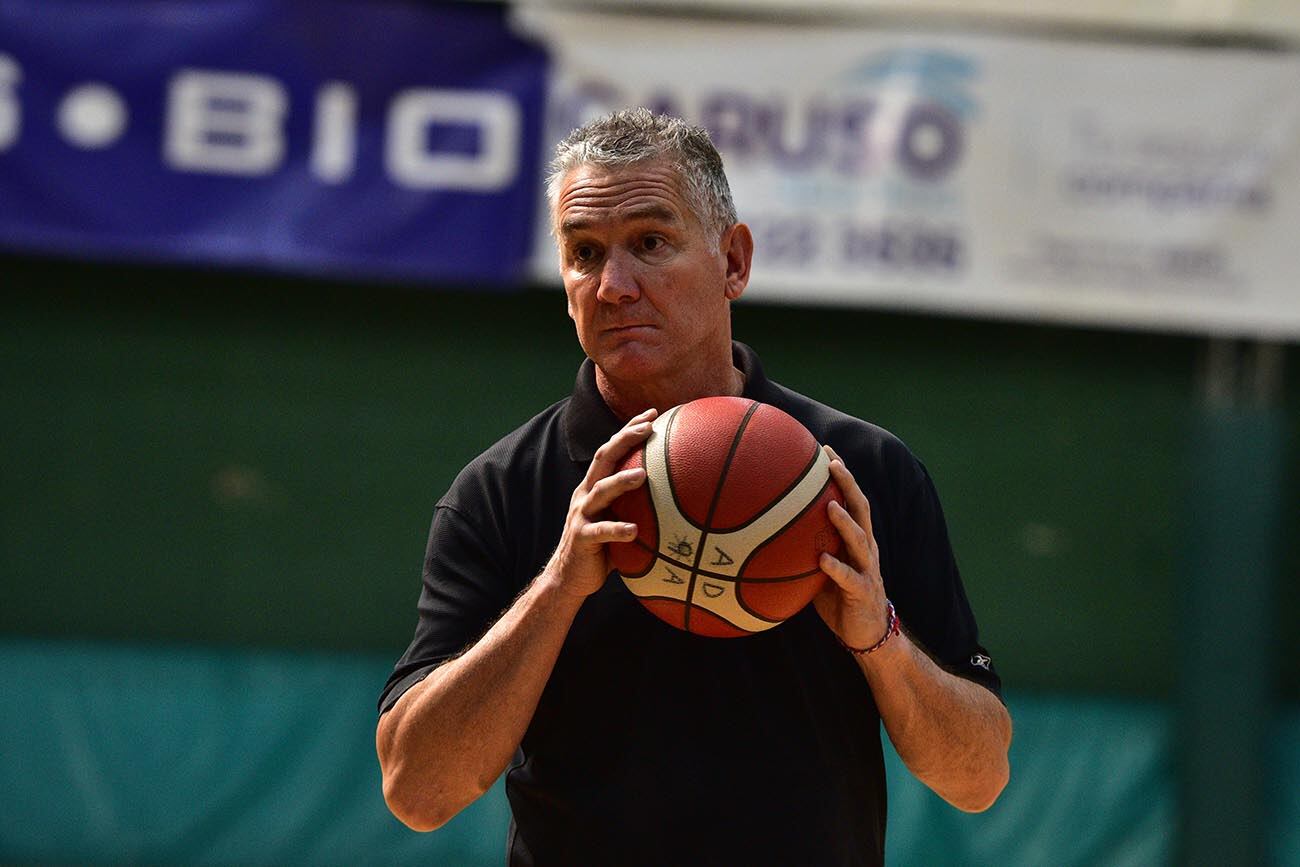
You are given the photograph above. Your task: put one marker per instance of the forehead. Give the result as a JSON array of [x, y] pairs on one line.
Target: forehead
[[595, 195]]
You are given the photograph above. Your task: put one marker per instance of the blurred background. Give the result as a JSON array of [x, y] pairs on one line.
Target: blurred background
[[272, 272]]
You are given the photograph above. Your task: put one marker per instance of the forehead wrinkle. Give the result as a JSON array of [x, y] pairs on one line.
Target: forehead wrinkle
[[653, 195], [649, 212], [613, 195]]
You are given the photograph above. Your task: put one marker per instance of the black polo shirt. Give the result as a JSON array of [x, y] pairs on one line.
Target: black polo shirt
[[654, 746]]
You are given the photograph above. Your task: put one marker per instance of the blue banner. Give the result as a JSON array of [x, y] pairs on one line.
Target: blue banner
[[395, 139]]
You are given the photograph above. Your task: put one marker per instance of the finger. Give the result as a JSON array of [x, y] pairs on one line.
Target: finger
[[609, 455], [854, 500], [604, 492], [600, 532], [861, 547], [612, 453], [848, 579], [618, 444]]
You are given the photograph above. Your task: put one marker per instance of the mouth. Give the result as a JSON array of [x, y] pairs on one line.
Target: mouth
[[627, 329]]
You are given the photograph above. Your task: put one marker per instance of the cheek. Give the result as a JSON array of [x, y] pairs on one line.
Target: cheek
[[581, 305], [574, 296]]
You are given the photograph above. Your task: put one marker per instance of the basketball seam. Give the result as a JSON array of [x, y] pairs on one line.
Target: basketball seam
[[672, 484], [777, 532], [722, 576], [740, 600], [808, 468], [717, 497], [654, 514]]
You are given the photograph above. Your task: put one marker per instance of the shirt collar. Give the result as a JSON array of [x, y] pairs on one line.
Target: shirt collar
[[589, 422]]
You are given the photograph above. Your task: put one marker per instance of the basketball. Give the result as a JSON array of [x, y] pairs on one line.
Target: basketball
[[731, 520]]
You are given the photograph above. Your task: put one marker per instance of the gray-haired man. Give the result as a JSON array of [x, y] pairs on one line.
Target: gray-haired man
[[625, 741]]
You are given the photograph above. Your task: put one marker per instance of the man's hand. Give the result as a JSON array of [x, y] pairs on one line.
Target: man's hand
[[449, 736], [580, 562], [951, 733], [853, 602]]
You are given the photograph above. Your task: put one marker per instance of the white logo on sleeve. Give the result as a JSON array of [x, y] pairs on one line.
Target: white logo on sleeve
[[979, 660]]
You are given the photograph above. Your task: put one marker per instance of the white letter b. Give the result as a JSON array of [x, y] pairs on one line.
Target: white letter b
[[226, 123]]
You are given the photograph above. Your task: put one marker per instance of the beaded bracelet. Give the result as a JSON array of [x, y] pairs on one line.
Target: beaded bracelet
[[891, 629]]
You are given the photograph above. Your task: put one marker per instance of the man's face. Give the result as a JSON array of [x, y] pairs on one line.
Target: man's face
[[648, 287]]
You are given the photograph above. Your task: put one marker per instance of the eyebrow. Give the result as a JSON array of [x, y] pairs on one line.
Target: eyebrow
[[640, 212]]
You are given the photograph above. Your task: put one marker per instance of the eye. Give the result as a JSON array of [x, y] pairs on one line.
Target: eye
[[583, 254], [653, 243]]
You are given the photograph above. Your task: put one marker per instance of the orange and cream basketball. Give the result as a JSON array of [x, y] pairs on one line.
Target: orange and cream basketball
[[731, 520]]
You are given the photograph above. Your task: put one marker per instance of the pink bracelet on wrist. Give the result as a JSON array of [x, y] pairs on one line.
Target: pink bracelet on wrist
[[891, 629]]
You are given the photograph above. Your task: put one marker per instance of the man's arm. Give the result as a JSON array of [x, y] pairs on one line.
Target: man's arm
[[951, 733], [450, 736]]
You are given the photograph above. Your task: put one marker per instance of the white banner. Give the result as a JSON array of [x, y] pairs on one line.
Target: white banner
[[1125, 185]]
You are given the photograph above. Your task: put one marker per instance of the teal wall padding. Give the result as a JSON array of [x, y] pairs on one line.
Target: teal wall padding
[[172, 755], [119, 754], [1092, 783]]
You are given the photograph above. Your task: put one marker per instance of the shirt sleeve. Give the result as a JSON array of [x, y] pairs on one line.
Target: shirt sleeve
[[466, 586], [925, 585]]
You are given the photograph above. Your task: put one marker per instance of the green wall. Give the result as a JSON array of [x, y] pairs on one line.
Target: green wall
[[229, 458]]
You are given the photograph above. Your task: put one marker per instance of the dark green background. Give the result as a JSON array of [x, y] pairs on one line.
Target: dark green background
[[247, 459]]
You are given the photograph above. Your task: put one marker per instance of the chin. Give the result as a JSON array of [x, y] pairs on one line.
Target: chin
[[631, 362]]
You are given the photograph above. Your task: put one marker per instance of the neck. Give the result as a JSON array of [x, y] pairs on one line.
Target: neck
[[628, 399]]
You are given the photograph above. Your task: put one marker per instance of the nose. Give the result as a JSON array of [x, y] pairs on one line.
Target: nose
[[618, 275]]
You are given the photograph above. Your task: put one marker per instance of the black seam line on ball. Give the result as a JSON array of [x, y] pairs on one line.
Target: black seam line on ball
[[713, 507], [675, 599], [654, 511], [798, 480], [705, 573], [788, 524], [654, 514], [668, 471]]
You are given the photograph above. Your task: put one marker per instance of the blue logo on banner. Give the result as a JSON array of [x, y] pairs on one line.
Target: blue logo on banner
[[385, 139]]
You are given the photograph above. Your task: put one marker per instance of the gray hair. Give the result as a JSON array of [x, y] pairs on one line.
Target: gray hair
[[637, 135]]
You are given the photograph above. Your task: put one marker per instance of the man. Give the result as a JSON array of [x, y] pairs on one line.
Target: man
[[625, 741]]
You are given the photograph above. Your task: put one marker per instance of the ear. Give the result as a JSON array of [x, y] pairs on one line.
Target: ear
[[737, 247]]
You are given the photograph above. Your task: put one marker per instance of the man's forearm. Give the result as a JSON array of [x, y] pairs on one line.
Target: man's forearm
[[952, 734], [445, 741], [450, 736]]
